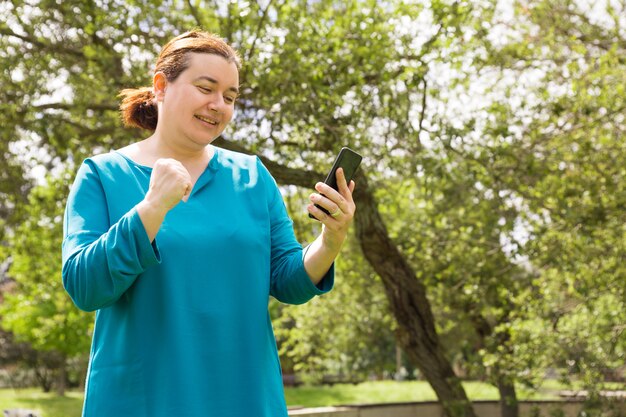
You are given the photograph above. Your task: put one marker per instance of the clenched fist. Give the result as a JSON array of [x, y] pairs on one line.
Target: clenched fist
[[170, 182]]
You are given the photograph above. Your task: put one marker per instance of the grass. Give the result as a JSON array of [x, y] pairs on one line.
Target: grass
[[391, 391], [366, 392], [47, 404], [50, 405]]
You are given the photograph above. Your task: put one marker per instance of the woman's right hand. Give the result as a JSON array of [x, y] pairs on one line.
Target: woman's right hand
[[170, 183]]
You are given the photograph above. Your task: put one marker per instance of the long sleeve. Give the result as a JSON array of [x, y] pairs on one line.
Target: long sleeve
[[101, 260], [190, 309], [289, 281]]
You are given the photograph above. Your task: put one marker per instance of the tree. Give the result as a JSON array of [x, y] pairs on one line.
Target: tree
[[565, 141], [344, 338], [38, 311], [456, 245], [488, 195], [555, 152], [281, 110]]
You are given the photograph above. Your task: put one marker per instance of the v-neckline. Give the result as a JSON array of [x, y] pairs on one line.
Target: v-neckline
[[205, 177]]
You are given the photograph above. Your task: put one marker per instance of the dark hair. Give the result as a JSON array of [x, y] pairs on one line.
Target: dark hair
[[139, 108]]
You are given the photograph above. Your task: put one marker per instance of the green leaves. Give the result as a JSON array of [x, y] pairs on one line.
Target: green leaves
[[565, 166], [493, 137], [347, 335], [39, 311]]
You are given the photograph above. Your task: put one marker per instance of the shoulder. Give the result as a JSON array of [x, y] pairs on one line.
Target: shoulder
[[104, 166], [105, 160], [240, 162], [247, 169], [236, 159]]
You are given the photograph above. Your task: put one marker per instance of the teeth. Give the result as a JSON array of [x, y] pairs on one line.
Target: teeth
[[210, 121]]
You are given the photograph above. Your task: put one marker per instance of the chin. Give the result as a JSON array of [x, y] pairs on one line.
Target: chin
[[207, 141], [203, 139]]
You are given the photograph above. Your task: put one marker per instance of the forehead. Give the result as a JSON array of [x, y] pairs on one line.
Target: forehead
[[212, 66]]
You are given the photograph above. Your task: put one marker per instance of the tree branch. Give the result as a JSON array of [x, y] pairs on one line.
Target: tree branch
[[42, 46], [72, 106], [194, 13], [258, 30], [423, 111]]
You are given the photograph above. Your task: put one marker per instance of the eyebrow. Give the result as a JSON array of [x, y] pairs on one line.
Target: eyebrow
[[214, 81]]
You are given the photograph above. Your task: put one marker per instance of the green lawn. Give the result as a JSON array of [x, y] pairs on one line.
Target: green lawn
[[49, 405], [391, 391]]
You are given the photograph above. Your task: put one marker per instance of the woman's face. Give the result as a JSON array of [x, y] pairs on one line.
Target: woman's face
[[198, 105]]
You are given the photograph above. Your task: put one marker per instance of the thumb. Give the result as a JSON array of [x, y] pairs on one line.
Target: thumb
[[188, 190]]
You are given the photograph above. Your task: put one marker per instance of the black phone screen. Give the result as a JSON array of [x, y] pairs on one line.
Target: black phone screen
[[347, 159]]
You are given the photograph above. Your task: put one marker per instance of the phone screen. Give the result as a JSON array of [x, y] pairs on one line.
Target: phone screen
[[347, 159]]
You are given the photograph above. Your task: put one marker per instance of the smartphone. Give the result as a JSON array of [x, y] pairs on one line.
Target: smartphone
[[349, 161]]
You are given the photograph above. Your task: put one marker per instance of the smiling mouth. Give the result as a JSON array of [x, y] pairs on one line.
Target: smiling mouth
[[207, 120]]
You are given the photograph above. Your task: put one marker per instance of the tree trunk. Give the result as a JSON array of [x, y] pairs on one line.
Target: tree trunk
[[43, 377], [410, 306], [407, 295], [399, 376], [508, 400], [84, 368], [61, 382]]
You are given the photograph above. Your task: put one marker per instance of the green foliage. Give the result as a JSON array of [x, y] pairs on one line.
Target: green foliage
[[346, 335], [39, 311], [456, 243], [494, 139], [558, 154]]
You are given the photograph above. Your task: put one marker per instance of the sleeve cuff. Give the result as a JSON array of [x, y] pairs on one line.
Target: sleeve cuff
[[326, 283], [148, 252]]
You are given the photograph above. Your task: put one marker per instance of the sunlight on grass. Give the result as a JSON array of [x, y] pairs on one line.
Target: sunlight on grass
[[366, 392], [47, 404], [379, 392]]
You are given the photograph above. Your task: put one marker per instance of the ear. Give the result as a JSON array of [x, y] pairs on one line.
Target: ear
[[159, 85]]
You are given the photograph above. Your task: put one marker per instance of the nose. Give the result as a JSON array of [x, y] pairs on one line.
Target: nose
[[216, 103]]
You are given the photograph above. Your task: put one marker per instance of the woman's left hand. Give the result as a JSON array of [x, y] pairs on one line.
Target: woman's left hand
[[339, 204]]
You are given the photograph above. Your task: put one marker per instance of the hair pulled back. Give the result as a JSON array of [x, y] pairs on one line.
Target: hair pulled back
[[139, 106]]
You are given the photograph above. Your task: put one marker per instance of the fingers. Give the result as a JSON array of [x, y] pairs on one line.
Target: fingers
[[345, 190], [341, 182], [174, 174], [170, 182], [322, 203], [332, 199], [342, 188], [187, 193], [339, 204]]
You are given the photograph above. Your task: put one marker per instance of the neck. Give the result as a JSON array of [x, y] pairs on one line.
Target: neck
[[159, 147]]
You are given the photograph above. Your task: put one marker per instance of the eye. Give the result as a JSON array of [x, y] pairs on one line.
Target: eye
[[229, 99], [205, 89]]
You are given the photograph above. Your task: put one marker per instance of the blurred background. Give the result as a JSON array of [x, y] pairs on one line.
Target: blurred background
[[487, 253]]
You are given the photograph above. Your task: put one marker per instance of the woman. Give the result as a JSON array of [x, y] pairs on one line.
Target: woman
[[181, 290]]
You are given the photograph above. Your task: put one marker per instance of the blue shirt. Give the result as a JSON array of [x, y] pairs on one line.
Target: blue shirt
[[182, 326]]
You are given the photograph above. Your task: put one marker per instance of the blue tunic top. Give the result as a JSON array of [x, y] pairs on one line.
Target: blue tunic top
[[182, 324]]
